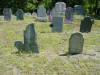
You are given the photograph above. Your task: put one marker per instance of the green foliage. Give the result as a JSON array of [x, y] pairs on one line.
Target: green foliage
[[32, 5]]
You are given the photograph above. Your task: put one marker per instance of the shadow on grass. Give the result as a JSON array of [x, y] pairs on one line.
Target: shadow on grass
[[68, 54]]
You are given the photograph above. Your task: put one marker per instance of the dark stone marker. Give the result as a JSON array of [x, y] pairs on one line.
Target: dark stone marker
[[76, 42], [86, 25], [20, 14], [7, 14], [29, 40]]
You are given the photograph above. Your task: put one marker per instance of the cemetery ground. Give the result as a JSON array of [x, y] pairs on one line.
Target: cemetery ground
[[53, 57]]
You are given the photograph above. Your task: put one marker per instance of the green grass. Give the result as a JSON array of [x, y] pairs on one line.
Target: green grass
[[51, 46]]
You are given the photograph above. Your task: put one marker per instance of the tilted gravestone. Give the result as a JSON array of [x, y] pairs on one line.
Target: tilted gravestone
[[57, 23], [69, 15], [29, 40], [7, 14], [78, 9], [76, 43], [60, 6], [86, 25], [20, 14]]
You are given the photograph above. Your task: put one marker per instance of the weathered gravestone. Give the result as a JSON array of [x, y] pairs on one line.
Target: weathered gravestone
[[29, 40], [28, 14], [86, 25], [7, 14], [34, 14], [57, 24], [54, 12], [60, 6], [20, 14], [78, 9], [76, 43], [69, 15], [41, 14]]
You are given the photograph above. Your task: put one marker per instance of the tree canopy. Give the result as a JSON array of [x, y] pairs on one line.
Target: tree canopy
[[32, 5]]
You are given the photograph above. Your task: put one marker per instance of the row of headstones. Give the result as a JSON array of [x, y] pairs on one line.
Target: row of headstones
[[8, 13], [41, 12], [60, 7], [85, 26], [76, 41]]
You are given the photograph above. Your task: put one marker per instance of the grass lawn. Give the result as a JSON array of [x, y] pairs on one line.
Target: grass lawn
[[52, 46]]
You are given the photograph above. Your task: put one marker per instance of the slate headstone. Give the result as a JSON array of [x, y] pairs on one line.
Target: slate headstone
[[57, 24], [78, 9], [76, 43], [86, 25], [69, 15], [20, 14], [7, 14]]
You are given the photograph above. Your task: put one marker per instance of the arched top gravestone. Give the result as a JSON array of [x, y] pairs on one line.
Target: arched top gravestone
[[54, 12], [61, 6], [41, 12], [76, 42], [86, 24], [20, 14]]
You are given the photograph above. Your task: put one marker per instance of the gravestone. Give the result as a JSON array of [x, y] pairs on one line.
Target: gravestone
[[34, 14], [20, 14], [78, 9], [41, 14], [54, 12], [57, 24], [7, 14], [29, 40], [76, 43], [69, 15], [60, 6], [28, 14], [86, 25]]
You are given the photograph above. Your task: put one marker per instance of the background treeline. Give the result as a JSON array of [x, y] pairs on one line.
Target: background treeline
[[32, 5]]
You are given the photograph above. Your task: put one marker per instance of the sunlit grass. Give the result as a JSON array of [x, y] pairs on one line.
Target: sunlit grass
[[51, 46]]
